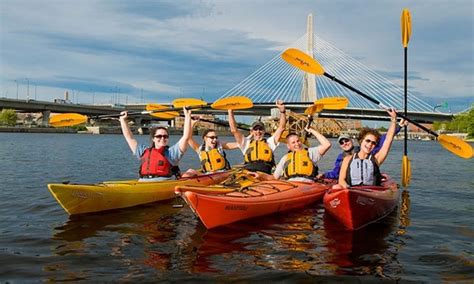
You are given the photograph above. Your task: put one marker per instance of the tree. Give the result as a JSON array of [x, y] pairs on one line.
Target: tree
[[8, 117], [463, 122]]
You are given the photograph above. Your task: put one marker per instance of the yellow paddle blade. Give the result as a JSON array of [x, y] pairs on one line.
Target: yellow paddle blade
[[406, 171], [187, 102], [333, 103], [405, 22], [456, 146], [67, 119], [313, 109], [160, 113], [233, 103], [302, 61]]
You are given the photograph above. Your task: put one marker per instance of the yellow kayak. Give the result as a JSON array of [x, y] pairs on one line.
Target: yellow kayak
[[86, 198]]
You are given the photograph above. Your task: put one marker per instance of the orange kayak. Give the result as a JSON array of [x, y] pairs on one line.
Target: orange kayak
[[215, 207], [359, 206]]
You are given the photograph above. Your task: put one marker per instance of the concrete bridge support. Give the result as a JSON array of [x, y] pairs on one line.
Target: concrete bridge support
[[45, 119]]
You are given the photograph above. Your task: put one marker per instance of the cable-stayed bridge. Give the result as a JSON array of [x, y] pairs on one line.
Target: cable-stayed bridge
[[276, 79]]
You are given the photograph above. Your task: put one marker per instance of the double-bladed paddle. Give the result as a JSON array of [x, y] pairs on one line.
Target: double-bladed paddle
[[406, 33], [302, 61], [70, 119]]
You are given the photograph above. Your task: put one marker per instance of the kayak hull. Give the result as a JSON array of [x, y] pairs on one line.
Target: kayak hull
[[87, 198], [262, 198], [361, 205]]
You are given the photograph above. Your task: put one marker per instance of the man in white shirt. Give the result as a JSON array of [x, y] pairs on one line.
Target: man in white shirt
[[258, 150]]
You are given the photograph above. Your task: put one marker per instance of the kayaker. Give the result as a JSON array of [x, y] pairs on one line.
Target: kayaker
[[300, 163], [158, 161], [211, 152], [258, 151], [347, 145], [363, 167]]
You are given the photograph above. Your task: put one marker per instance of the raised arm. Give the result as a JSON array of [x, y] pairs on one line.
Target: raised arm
[[323, 141], [127, 133], [282, 122], [399, 127], [194, 145], [230, 145], [382, 154], [187, 132], [239, 138]]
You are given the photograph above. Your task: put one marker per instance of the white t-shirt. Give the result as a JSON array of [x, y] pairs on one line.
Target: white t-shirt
[[314, 155]]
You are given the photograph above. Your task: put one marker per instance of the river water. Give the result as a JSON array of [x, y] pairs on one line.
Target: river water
[[428, 239]]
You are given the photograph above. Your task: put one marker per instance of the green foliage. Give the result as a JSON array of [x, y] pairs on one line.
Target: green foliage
[[80, 127], [382, 129], [463, 122], [8, 117]]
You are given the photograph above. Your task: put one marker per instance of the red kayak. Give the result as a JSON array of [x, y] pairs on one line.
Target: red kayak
[[261, 198], [359, 206]]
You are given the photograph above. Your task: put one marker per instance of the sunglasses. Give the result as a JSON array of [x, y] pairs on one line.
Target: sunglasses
[[257, 129], [159, 136], [343, 141], [212, 137], [370, 141]]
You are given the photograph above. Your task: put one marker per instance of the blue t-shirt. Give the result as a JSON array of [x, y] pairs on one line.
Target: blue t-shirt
[[173, 154]]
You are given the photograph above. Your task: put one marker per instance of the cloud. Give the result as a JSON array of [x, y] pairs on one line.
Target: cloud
[[171, 48]]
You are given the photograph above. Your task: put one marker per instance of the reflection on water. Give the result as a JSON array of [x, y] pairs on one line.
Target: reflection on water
[[404, 213], [364, 251], [165, 239]]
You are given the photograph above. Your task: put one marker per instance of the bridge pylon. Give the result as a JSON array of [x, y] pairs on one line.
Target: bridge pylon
[[308, 92]]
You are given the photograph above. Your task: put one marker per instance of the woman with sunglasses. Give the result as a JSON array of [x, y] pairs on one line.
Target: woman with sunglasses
[[211, 152], [348, 149], [362, 168], [158, 161], [258, 150]]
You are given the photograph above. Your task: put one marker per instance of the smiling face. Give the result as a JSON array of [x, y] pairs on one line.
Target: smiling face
[[293, 142], [368, 143], [258, 133], [346, 144], [160, 138], [210, 139]]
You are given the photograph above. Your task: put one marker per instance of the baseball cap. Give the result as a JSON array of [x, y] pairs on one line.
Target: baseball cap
[[257, 123], [343, 136]]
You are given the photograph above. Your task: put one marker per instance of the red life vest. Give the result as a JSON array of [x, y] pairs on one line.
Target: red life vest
[[155, 164]]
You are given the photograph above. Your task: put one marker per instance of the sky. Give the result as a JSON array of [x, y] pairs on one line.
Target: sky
[[155, 51]]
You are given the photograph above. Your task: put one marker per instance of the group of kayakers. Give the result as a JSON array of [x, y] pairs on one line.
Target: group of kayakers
[[353, 166]]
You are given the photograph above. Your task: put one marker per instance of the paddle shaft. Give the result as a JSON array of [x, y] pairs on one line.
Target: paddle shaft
[[152, 111], [220, 123], [405, 144], [378, 103], [306, 133]]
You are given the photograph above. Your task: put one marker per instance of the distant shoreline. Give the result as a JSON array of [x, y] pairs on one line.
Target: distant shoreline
[[114, 130], [37, 130]]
